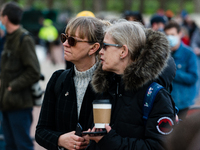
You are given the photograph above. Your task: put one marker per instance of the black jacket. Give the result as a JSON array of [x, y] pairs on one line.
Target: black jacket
[[126, 94], [20, 69], [59, 113]]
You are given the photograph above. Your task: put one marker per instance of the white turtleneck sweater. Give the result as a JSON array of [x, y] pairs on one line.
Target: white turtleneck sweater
[[81, 81]]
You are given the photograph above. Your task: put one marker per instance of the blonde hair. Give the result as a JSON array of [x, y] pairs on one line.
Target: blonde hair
[[88, 27], [128, 33]]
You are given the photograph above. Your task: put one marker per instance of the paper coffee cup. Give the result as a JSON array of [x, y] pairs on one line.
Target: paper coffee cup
[[101, 112]]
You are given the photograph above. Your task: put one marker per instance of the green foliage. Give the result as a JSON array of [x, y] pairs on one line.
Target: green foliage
[[39, 5], [115, 5], [77, 5], [151, 6], [189, 7]]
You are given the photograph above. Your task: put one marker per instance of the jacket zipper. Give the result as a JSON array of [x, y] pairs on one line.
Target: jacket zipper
[[117, 92]]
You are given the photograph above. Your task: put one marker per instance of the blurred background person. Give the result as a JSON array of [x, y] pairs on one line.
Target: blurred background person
[[188, 23], [185, 36], [2, 37], [184, 83], [20, 69], [195, 44], [133, 16], [185, 135], [169, 14], [48, 35], [2, 40], [158, 22]]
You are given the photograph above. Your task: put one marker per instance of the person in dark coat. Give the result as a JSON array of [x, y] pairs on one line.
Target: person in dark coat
[[132, 58], [20, 69], [72, 104]]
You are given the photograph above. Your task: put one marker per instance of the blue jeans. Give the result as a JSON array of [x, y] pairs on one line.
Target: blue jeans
[[16, 128]]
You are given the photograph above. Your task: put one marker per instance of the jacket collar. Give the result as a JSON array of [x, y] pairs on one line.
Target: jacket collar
[[178, 52], [149, 64]]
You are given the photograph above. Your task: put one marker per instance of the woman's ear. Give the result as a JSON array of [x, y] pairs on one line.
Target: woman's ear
[[94, 48], [124, 52]]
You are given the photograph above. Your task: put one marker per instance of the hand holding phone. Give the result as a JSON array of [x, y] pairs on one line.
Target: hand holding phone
[[79, 130], [97, 133]]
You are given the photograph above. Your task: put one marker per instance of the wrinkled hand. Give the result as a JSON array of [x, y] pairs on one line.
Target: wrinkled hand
[[86, 137], [72, 142], [98, 138]]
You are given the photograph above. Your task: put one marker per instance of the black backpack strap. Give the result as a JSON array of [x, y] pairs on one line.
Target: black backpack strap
[[22, 36], [59, 81]]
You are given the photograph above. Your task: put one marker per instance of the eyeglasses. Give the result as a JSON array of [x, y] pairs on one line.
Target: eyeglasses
[[71, 40], [106, 44]]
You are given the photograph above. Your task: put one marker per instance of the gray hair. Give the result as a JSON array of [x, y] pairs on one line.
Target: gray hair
[[129, 33]]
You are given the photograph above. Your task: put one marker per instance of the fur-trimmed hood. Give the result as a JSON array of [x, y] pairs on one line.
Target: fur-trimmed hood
[[149, 64]]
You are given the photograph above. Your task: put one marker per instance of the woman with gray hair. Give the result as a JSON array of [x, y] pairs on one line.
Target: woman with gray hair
[[132, 58]]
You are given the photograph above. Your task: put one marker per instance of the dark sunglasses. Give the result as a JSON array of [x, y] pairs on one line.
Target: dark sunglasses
[[71, 40], [106, 44]]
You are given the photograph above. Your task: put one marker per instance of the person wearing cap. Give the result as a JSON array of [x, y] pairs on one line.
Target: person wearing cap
[[169, 14], [133, 16], [158, 22], [85, 13]]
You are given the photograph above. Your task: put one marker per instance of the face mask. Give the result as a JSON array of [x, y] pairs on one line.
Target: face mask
[[161, 30], [173, 40]]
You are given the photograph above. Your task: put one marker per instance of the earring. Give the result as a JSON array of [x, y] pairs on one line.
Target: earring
[[121, 57], [89, 55]]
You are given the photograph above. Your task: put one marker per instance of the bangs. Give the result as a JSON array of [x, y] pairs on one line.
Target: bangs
[[82, 24]]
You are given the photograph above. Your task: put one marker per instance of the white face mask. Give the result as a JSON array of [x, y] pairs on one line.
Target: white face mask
[[173, 40]]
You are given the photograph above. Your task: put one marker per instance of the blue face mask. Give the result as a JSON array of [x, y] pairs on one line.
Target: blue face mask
[[173, 40], [161, 30]]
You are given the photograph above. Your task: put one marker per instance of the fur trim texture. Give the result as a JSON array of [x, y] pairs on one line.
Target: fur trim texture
[[149, 63]]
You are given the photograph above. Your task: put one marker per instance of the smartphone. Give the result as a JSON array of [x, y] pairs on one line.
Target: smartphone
[[98, 133], [79, 130]]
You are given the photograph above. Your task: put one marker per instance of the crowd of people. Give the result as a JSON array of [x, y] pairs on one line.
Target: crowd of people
[[116, 59]]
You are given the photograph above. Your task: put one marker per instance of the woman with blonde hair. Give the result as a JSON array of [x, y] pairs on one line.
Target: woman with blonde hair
[[68, 97]]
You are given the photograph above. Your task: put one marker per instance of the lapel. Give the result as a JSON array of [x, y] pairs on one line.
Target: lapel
[[68, 94]]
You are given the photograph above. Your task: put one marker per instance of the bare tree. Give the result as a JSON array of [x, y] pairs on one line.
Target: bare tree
[[83, 4], [141, 7], [97, 5], [29, 3], [2, 2], [162, 4], [128, 4], [196, 6], [104, 4], [50, 4], [181, 4]]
